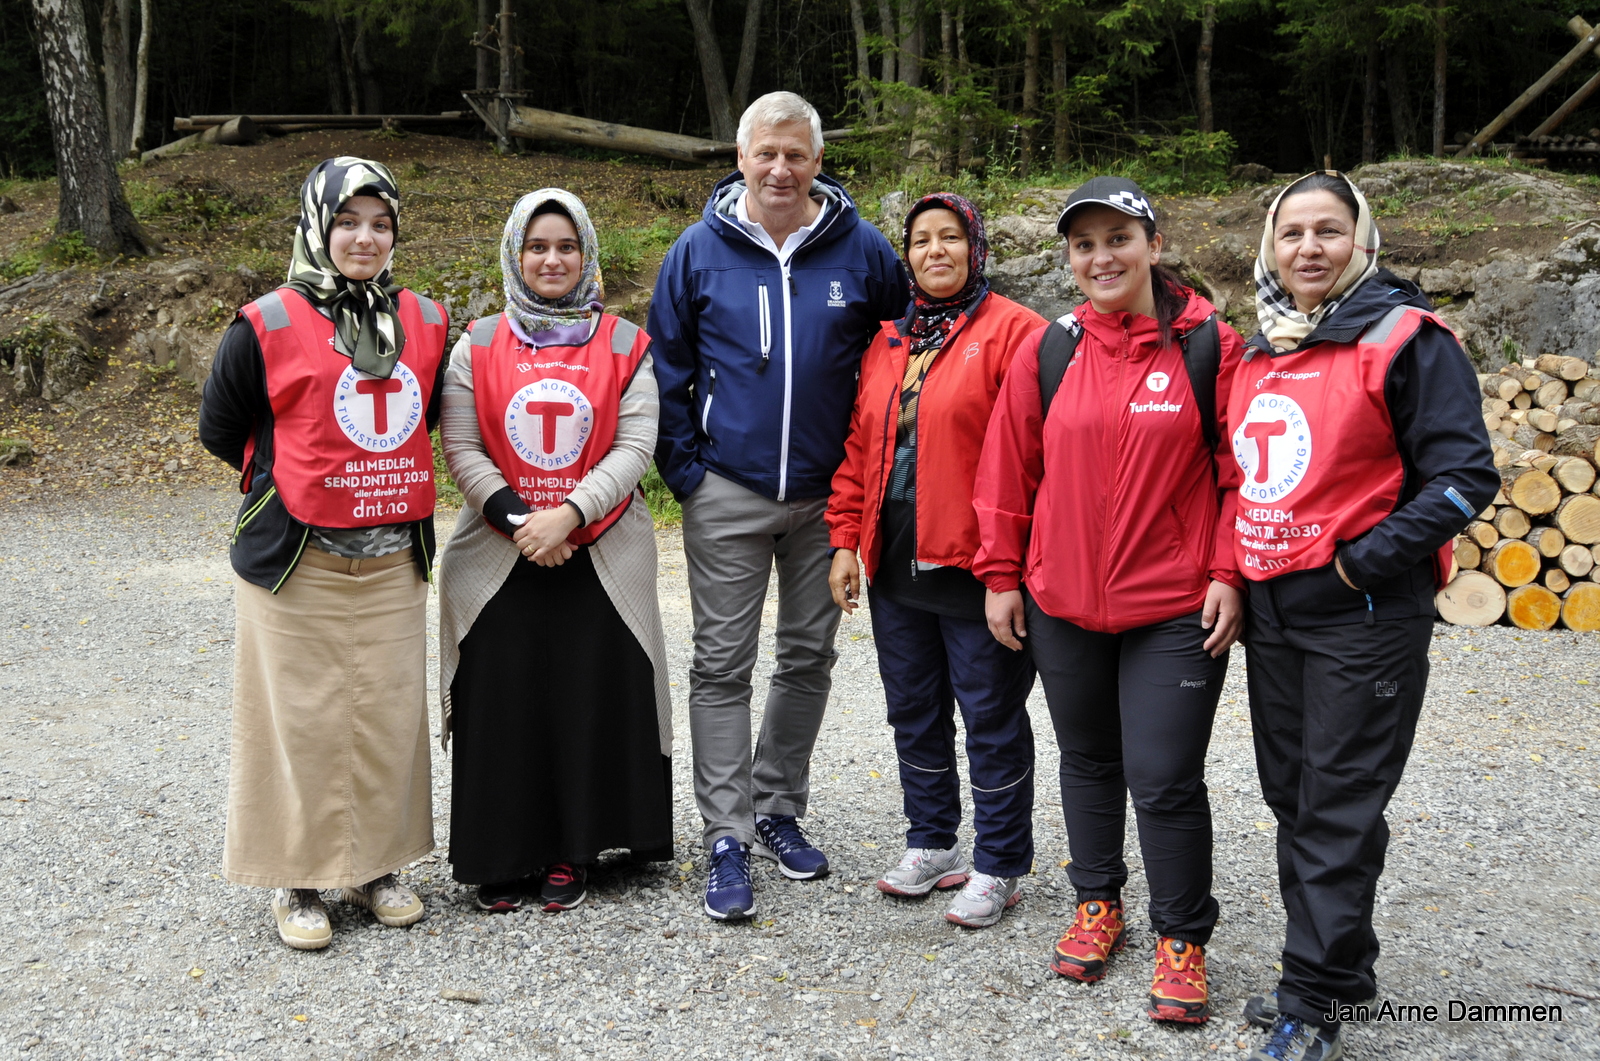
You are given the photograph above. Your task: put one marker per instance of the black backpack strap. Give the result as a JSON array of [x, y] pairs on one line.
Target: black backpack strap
[[1202, 357], [1056, 347]]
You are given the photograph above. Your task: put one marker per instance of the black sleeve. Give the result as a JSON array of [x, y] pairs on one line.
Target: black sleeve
[[234, 402], [436, 399], [502, 503], [1432, 394]]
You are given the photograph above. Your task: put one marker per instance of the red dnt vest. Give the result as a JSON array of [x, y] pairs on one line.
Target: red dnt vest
[[548, 414], [1313, 438], [350, 449]]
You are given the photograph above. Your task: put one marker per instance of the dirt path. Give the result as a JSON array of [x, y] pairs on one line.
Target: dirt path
[[122, 941]]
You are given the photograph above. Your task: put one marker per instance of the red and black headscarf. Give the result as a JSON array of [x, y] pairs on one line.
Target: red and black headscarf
[[932, 318]]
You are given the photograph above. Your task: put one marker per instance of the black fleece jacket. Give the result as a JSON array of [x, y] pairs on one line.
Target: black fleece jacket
[[1432, 395], [267, 541]]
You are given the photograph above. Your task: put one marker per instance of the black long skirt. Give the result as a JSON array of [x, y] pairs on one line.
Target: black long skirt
[[557, 755]]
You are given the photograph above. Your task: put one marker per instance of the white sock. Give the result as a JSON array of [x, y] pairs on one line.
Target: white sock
[[763, 817]]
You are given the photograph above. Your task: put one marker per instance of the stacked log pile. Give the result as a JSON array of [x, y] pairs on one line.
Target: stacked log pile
[[1532, 558]]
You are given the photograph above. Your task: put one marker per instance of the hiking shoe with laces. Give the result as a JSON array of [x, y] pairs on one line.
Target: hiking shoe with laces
[[504, 897], [1292, 1039], [983, 900], [784, 843], [302, 919], [391, 902], [564, 887], [1096, 934], [1262, 1010], [729, 895], [1178, 992], [922, 869]]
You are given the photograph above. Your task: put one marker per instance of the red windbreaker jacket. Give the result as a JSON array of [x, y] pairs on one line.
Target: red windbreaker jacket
[[1113, 514], [952, 413]]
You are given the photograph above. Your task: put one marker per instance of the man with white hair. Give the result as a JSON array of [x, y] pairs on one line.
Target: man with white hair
[[759, 319]]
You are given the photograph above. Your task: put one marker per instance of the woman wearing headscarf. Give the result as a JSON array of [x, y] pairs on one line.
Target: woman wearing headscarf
[[322, 394], [1104, 528], [552, 661], [1360, 456], [903, 499]]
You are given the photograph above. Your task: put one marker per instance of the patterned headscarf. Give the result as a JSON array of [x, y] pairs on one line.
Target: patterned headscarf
[[365, 314], [932, 318], [533, 313], [1283, 324]]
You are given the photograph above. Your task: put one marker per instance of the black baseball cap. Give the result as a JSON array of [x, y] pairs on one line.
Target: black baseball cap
[[1119, 193]]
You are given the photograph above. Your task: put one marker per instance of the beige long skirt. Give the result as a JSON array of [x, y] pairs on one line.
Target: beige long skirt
[[328, 781]]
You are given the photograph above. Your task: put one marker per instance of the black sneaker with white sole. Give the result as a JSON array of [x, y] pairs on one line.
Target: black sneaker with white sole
[[502, 898], [564, 887]]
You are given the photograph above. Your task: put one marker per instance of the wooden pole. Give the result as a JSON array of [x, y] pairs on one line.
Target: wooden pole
[[508, 76], [1579, 29], [1487, 133]]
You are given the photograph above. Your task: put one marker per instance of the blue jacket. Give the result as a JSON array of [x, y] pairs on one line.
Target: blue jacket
[[757, 361]]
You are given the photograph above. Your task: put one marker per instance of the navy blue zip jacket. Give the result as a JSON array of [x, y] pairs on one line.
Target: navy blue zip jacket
[[1433, 400], [756, 360]]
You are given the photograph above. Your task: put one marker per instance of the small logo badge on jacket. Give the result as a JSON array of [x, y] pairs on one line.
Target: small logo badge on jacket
[[377, 414], [1192, 683], [1157, 381], [836, 294], [971, 352], [1387, 688]]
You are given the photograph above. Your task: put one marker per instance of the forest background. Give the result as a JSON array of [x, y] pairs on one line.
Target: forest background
[[1178, 90]]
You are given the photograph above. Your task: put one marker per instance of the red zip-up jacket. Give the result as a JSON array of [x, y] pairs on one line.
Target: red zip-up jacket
[[1110, 514], [952, 412]]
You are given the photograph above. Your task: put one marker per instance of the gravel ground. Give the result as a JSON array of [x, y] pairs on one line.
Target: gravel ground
[[121, 939]]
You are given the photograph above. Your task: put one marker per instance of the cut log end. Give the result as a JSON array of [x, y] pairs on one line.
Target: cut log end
[[1471, 599], [1512, 562], [1531, 490], [1581, 608], [1533, 608], [1578, 517]]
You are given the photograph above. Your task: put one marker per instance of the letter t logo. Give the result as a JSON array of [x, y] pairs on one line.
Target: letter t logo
[[549, 414], [380, 389], [1262, 431]]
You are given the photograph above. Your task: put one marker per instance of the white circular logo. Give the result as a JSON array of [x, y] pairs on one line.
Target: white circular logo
[[1273, 447], [377, 414], [1157, 381], [548, 422]]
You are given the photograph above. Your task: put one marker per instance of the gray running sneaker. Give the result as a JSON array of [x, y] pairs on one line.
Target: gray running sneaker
[[1262, 1010], [983, 900], [922, 869], [1295, 1040], [302, 919]]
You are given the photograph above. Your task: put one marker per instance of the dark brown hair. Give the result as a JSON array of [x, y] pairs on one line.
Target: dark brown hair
[[1323, 181], [1170, 293]]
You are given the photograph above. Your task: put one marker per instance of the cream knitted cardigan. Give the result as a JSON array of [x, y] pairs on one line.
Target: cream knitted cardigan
[[477, 559]]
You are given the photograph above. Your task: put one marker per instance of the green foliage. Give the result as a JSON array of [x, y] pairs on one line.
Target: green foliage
[[69, 249], [19, 265], [1186, 161], [189, 202], [448, 493], [623, 251], [664, 508]]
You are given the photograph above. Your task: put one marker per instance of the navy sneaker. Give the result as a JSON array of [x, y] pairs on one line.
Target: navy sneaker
[[784, 843], [729, 895], [1292, 1039]]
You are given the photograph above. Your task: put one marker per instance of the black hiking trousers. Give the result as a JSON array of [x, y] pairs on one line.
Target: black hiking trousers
[[1335, 711], [1132, 715]]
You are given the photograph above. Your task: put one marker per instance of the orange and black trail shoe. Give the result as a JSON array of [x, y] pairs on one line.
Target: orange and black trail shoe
[[1096, 934], [1178, 992]]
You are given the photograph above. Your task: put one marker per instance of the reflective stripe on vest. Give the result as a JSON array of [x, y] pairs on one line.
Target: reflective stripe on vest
[[349, 449], [547, 415], [1313, 439]]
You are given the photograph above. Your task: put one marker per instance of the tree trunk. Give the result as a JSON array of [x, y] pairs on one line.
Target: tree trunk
[[1058, 80], [964, 71], [858, 26], [115, 30], [747, 56], [1202, 68], [141, 80], [371, 91], [1030, 95], [911, 42], [1399, 102], [91, 199], [886, 23], [347, 66], [506, 34], [1369, 103], [483, 30], [952, 134], [1441, 55], [335, 70], [723, 126]]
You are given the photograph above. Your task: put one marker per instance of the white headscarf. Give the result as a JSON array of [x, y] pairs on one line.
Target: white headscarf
[[1283, 324]]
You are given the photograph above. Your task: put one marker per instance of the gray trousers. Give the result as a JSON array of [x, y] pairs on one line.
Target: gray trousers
[[731, 538]]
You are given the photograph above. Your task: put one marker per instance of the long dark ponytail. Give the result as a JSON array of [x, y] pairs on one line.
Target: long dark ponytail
[[1170, 293]]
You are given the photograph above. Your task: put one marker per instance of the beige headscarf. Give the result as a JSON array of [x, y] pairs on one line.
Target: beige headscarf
[[1284, 325]]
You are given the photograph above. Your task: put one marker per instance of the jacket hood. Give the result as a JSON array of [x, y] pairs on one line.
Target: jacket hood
[[1361, 307], [1143, 336], [719, 209]]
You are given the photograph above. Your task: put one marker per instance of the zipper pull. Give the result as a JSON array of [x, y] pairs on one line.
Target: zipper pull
[[1370, 616]]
